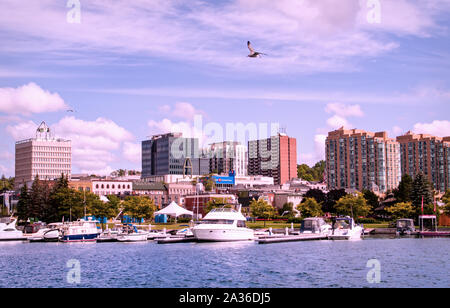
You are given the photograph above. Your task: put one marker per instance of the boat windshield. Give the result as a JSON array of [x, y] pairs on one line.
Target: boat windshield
[[341, 224], [222, 210], [309, 225], [218, 221], [404, 224]]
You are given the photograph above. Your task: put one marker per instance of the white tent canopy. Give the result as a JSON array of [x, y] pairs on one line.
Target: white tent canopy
[[175, 210]]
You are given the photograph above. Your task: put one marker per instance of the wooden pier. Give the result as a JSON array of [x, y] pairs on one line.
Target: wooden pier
[[291, 238]]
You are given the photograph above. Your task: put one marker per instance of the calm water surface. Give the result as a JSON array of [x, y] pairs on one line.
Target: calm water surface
[[405, 262]]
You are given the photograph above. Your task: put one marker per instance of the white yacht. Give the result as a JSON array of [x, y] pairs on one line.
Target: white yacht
[[81, 231], [8, 232], [223, 225], [315, 225], [344, 228]]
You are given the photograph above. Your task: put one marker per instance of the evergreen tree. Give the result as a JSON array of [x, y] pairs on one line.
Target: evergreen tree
[[24, 204], [422, 189], [404, 191], [372, 199]]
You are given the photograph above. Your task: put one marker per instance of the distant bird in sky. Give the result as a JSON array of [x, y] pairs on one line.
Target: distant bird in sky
[[70, 110], [253, 53]]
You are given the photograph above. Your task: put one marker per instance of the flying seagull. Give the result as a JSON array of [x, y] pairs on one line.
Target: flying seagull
[[253, 53]]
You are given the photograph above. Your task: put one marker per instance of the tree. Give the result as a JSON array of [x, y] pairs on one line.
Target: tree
[[401, 210], [101, 209], [24, 204], [372, 199], [314, 174], [354, 206], [446, 201], [310, 208], [317, 194], [67, 204], [139, 207], [421, 190], [210, 185], [6, 184], [333, 196], [216, 203], [287, 210], [261, 209], [404, 191]]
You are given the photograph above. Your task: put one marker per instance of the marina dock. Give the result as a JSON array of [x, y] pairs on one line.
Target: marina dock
[[291, 238], [173, 240]]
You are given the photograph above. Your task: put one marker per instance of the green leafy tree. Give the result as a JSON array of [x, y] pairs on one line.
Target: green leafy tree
[[139, 207], [404, 191], [401, 210], [101, 209], [314, 174], [333, 196], [6, 184], [216, 203], [310, 208], [355, 206], [317, 194], [261, 209], [446, 201], [287, 210]]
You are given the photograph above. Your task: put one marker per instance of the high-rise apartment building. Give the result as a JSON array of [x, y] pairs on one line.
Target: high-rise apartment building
[[274, 157], [44, 156], [226, 156], [172, 154], [357, 159], [427, 154]]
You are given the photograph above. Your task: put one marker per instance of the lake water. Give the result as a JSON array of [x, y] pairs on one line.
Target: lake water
[[407, 262]]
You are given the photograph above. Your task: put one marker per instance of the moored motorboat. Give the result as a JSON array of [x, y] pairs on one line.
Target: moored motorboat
[[344, 228], [315, 225], [8, 232], [80, 231], [223, 225], [131, 234]]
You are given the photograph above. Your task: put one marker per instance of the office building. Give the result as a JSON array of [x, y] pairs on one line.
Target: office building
[[273, 157], [226, 156], [44, 156], [171, 154]]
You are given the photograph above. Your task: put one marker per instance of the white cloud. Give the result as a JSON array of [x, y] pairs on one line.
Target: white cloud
[[344, 110], [6, 155], [29, 99], [94, 143], [306, 35], [181, 110], [336, 122], [132, 152], [22, 130], [435, 128], [396, 131]]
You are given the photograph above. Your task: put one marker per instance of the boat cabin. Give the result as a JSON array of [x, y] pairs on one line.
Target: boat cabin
[[312, 225], [405, 225]]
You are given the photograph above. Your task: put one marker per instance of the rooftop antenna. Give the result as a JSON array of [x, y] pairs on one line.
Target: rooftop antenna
[[43, 131], [283, 129]]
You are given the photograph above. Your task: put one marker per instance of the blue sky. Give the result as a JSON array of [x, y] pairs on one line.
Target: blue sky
[[130, 70]]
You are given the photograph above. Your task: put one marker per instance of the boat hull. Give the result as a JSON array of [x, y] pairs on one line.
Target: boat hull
[[135, 237], [223, 235], [79, 238]]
